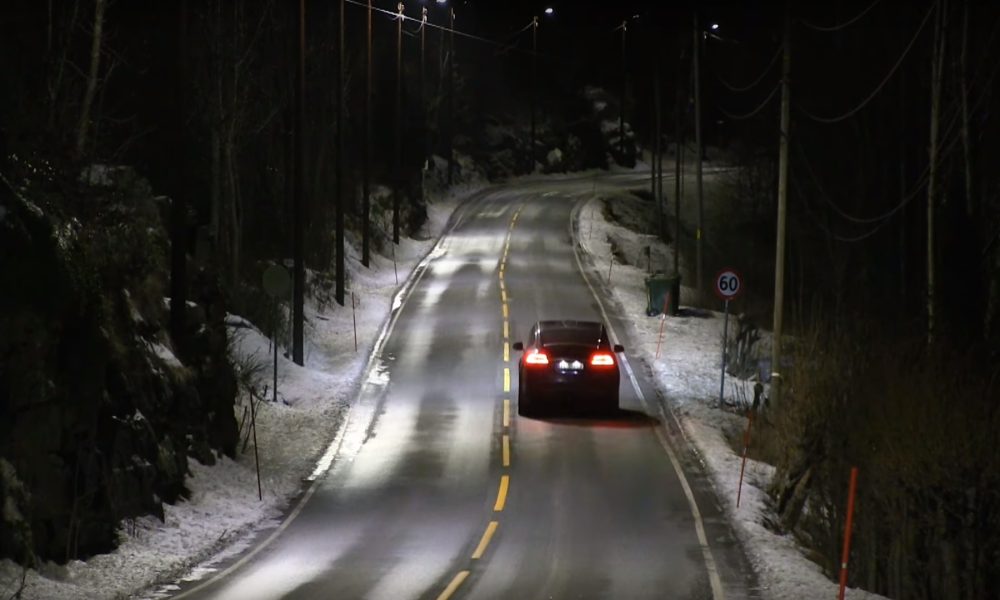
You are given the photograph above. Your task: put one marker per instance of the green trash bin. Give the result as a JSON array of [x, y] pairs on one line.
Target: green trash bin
[[658, 286]]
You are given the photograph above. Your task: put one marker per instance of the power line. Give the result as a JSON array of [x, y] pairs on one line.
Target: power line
[[842, 25], [892, 71], [754, 112], [741, 89]]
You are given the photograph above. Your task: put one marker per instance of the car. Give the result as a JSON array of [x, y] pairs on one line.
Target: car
[[569, 364]]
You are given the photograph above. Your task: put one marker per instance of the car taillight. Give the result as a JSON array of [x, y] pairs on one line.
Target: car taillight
[[602, 359], [536, 357]]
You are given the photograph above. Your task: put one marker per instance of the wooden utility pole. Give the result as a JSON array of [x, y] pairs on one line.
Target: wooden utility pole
[[534, 84], [298, 208], [621, 112], [340, 187], [398, 146], [450, 117], [366, 186], [178, 205], [678, 162], [779, 255], [657, 151], [937, 76], [699, 229]]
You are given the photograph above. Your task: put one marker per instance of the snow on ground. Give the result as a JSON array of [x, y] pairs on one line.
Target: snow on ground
[[223, 512]]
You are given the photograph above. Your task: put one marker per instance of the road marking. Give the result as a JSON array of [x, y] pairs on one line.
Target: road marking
[[503, 287], [506, 352], [506, 313], [502, 493], [506, 330], [457, 581], [503, 296], [715, 582], [485, 541], [506, 379], [506, 451], [506, 412]]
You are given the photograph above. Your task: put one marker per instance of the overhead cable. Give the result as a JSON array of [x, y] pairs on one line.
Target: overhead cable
[[856, 109], [754, 112], [741, 89], [842, 25]]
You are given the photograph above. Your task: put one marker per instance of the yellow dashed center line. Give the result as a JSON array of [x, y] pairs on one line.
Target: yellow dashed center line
[[506, 412], [506, 313], [506, 330], [506, 451], [506, 379], [485, 541], [502, 493], [457, 581], [506, 352], [503, 296]]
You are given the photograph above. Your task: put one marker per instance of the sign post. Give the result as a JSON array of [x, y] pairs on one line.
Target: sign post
[[728, 285]]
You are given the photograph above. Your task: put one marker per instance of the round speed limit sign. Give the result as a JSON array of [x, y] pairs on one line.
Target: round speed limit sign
[[728, 284]]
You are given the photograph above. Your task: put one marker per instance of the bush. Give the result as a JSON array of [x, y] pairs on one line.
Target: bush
[[921, 426]]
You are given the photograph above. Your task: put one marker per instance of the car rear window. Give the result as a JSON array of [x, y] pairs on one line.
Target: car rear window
[[574, 335]]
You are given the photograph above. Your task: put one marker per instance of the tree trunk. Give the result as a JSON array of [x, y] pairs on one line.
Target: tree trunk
[[937, 64], [91, 89]]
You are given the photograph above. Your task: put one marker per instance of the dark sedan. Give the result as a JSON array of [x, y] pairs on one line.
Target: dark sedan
[[569, 364]]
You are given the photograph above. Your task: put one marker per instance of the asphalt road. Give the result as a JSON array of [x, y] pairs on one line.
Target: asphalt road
[[439, 490]]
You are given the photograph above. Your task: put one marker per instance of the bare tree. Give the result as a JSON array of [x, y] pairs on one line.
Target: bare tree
[[92, 75]]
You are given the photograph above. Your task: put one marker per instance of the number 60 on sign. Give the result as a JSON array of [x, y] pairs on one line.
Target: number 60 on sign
[[728, 284]]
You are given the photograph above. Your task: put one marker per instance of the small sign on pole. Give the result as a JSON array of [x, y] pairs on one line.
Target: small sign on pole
[[728, 285]]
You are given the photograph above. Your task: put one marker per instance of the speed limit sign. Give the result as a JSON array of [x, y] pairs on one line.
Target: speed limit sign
[[728, 284]]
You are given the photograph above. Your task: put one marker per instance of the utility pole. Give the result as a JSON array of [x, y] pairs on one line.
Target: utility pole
[[699, 231], [621, 112], [678, 162], [366, 191], [298, 219], [339, 190], [534, 83], [451, 93], [937, 75], [178, 206], [657, 151], [423, 102], [397, 158], [779, 258]]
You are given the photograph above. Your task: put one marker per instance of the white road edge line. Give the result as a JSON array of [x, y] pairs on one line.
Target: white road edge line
[[710, 566], [324, 463]]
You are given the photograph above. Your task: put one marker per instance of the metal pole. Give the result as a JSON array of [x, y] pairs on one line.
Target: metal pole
[[779, 259], [725, 340], [851, 490], [277, 308], [699, 232]]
